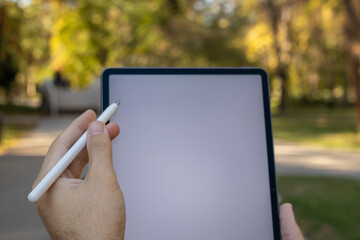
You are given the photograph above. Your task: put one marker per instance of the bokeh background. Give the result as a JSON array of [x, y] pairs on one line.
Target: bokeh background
[[310, 48]]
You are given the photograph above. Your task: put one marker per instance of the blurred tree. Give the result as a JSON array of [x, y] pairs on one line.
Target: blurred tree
[[200, 32], [34, 39], [319, 50], [71, 49], [307, 54], [10, 14], [304, 47], [280, 16], [352, 48]]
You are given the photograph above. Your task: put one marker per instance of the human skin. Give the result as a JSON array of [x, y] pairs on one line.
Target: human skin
[[89, 208], [93, 207], [289, 228]]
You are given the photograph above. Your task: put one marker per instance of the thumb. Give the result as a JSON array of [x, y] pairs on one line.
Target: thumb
[[99, 152], [289, 228]]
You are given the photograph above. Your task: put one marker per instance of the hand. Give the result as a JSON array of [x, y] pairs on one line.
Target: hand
[[89, 208], [289, 228]]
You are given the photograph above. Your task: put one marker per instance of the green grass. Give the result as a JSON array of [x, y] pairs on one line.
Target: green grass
[[11, 133], [14, 109], [331, 128], [325, 208]]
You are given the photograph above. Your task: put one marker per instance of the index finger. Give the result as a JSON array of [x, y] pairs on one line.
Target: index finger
[[64, 142]]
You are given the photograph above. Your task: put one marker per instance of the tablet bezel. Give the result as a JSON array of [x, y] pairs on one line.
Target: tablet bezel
[[214, 71]]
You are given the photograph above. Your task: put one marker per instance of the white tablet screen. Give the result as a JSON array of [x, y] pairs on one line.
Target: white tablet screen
[[191, 157]]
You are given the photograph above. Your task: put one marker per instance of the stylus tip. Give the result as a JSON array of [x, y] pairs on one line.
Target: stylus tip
[[32, 198], [117, 102]]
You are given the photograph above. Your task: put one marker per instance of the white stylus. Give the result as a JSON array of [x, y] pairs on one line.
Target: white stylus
[[69, 156]]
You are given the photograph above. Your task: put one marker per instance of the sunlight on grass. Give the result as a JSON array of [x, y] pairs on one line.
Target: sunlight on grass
[[325, 208], [330, 128], [11, 133]]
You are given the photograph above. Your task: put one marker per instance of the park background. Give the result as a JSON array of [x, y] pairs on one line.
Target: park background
[[310, 49]]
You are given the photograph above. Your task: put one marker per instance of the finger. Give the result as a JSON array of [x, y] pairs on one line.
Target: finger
[[68, 137], [289, 228], [113, 130], [64, 141], [76, 167], [100, 153]]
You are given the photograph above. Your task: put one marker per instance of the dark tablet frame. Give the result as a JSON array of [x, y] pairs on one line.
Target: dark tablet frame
[[214, 71]]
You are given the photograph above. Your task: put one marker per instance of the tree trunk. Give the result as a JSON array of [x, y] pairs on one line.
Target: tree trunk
[[275, 17], [352, 35], [354, 65], [345, 97], [282, 73]]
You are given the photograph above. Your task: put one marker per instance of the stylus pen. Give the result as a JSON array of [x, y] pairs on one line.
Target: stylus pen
[[69, 156]]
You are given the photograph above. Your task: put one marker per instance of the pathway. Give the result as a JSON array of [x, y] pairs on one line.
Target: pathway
[[20, 165], [18, 169], [293, 159]]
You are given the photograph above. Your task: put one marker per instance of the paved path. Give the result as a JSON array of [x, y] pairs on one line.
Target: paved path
[[292, 159], [18, 169], [20, 165]]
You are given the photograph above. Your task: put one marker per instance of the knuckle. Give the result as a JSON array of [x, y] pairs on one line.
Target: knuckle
[[100, 140]]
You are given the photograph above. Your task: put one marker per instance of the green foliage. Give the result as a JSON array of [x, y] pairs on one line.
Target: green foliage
[[325, 208], [83, 37], [10, 14]]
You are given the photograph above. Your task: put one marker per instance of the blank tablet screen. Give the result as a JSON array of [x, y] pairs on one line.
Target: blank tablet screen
[[192, 157]]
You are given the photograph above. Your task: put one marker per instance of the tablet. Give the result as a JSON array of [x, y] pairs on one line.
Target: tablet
[[194, 157]]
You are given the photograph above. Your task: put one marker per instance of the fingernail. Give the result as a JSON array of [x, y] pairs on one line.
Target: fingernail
[[96, 128]]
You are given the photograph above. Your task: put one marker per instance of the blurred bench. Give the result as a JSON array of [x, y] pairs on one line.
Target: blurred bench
[[56, 99]]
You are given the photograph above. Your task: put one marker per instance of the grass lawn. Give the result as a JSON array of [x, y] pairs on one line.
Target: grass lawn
[[331, 128], [11, 133], [325, 208], [13, 109]]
